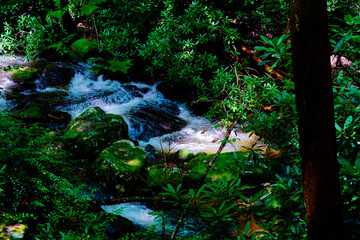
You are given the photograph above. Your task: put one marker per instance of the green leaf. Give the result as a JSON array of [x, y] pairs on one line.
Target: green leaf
[[247, 228], [357, 164], [356, 38], [171, 189], [94, 2], [56, 14], [178, 187], [348, 19], [338, 128], [339, 45], [88, 9], [348, 121], [281, 39], [121, 66]]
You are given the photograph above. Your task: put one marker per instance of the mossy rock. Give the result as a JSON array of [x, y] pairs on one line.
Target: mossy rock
[[227, 166], [29, 74], [156, 176], [47, 117], [82, 48], [34, 113], [93, 131], [55, 76], [116, 166], [185, 155]]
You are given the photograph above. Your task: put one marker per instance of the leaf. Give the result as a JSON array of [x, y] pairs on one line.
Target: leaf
[[357, 164], [356, 38], [247, 228], [171, 189], [339, 45], [348, 121], [348, 19], [178, 187], [88, 9], [57, 14], [264, 62], [93, 2], [281, 39], [121, 66], [338, 128]]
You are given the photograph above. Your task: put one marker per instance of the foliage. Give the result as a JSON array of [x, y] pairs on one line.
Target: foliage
[[184, 46], [38, 187], [196, 44]]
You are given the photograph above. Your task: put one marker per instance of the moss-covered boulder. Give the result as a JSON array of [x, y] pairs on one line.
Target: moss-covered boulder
[[117, 166], [227, 166], [94, 130], [28, 74], [156, 176], [44, 115], [82, 48]]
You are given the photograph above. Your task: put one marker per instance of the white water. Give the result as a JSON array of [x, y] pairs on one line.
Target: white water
[[87, 90], [136, 212], [144, 217]]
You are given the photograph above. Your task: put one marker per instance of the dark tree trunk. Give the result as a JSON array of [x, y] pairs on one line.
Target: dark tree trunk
[[314, 101], [68, 23]]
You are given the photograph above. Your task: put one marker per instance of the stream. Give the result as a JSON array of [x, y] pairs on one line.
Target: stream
[[152, 119]]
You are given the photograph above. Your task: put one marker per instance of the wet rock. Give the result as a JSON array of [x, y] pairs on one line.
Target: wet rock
[[117, 166], [31, 113], [29, 74], [55, 76], [118, 227], [149, 121], [93, 131]]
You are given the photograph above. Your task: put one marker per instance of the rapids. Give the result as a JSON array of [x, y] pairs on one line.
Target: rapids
[[152, 119]]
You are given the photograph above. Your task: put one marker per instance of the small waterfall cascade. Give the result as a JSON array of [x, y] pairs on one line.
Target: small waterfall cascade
[[152, 119], [142, 216]]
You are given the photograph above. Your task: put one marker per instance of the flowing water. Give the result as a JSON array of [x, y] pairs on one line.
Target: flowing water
[[152, 119], [142, 216]]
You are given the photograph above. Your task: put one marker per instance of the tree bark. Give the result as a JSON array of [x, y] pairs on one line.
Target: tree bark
[[314, 101]]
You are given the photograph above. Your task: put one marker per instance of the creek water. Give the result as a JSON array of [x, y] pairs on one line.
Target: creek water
[[152, 119]]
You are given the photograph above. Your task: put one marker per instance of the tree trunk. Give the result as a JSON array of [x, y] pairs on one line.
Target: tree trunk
[[314, 101], [68, 24]]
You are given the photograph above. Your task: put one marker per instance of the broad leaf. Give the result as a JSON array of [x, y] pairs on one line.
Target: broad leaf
[[121, 66], [348, 121]]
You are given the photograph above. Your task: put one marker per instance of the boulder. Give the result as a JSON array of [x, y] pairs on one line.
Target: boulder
[[27, 74], [47, 117], [23, 78], [55, 76], [93, 131], [117, 166], [150, 120]]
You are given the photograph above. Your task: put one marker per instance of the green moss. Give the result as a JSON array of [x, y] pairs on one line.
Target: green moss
[[24, 75], [95, 130], [184, 154], [227, 166], [82, 48], [120, 158], [33, 112], [156, 176]]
